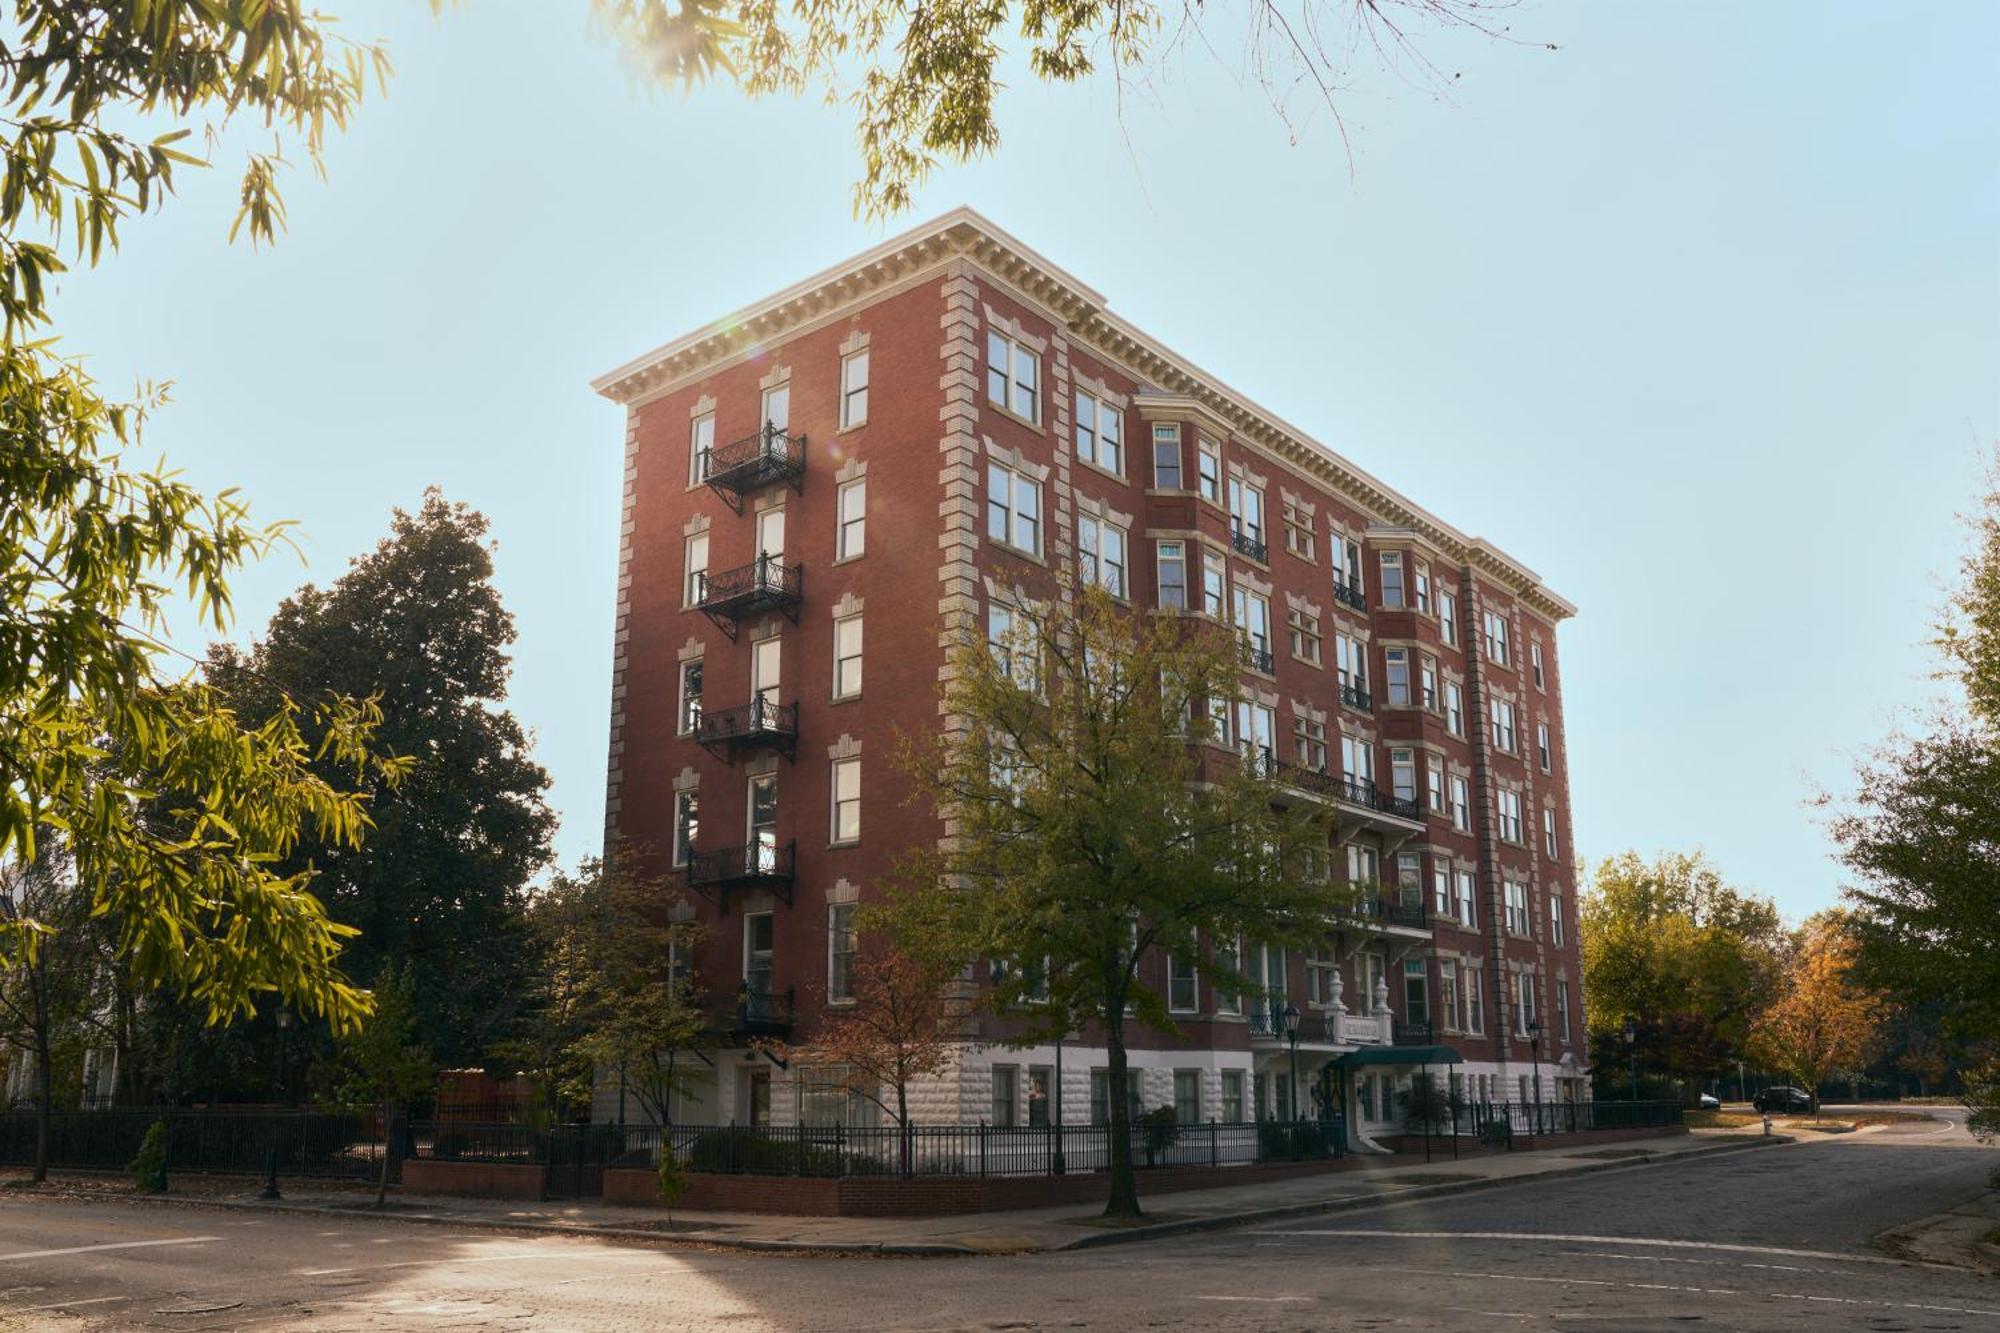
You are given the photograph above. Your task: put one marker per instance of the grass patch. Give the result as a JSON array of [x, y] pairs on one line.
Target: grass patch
[[1722, 1120]]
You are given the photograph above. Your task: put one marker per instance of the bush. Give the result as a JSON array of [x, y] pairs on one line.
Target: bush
[[1293, 1140], [149, 1168], [673, 1179], [1160, 1129], [746, 1151], [1425, 1104]]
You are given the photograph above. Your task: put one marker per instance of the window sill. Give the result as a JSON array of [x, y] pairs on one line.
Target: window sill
[[1016, 417], [836, 846], [852, 426], [844, 698], [1008, 548], [847, 559], [1101, 470], [847, 1003]]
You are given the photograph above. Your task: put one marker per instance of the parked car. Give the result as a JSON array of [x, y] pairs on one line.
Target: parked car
[[1709, 1102], [1783, 1101]]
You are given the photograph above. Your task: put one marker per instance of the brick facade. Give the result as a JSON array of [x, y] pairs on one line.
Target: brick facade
[[925, 308]]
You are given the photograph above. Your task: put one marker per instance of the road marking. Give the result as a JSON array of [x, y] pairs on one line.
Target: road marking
[[1710, 1291], [1599, 1240], [1267, 1300], [114, 1245]]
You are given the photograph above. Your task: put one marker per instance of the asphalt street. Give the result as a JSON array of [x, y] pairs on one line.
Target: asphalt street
[[1770, 1239]]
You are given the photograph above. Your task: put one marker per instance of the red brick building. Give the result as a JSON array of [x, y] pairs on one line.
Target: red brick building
[[822, 489]]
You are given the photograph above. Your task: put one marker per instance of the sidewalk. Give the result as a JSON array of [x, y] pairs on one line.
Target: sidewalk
[[1071, 1227]]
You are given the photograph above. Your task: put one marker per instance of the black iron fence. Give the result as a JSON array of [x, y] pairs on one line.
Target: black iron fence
[[325, 1144]]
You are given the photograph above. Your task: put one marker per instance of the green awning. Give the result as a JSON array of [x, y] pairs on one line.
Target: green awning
[[1398, 1055]]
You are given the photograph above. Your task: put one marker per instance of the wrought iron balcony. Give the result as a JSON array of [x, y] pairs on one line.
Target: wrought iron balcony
[[1349, 593], [1261, 659], [765, 584], [761, 724], [1412, 1034], [1395, 912], [762, 865], [1354, 696], [764, 1013], [754, 462], [1245, 544], [1349, 791]]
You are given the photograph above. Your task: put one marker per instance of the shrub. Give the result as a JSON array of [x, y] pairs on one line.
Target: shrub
[[673, 1179], [149, 1168], [1160, 1129]]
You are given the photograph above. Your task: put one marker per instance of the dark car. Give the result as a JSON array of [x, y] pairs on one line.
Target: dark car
[[1783, 1101]]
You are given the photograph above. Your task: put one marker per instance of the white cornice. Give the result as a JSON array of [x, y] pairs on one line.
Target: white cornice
[[963, 234]]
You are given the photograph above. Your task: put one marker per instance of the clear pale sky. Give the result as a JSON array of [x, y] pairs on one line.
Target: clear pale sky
[[1698, 316]]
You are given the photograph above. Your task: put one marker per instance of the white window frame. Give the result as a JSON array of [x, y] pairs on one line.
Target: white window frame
[[846, 655], [689, 723], [1014, 502], [1168, 435], [1166, 555], [1447, 605], [839, 960], [854, 389], [1558, 935], [1504, 735], [1465, 898], [1102, 554], [1549, 833], [1454, 708], [1514, 896], [1497, 647], [776, 408], [1214, 585], [1475, 1000], [1396, 692], [1461, 804], [694, 576], [1508, 806], [1535, 663], [1208, 469], [1182, 972], [842, 769], [685, 802], [850, 518], [1393, 593], [701, 448], [1093, 440], [1543, 749], [1016, 381]]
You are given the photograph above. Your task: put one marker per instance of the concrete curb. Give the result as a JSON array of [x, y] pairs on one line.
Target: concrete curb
[[933, 1250], [1353, 1203]]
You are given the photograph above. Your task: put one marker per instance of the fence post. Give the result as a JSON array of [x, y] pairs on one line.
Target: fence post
[[840, 1150], [982, 1147], [1214, 1144]]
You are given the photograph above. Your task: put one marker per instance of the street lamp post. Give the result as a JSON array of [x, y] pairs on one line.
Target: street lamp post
[[1535, 1062], [1057, 1164], [283, 1019], [1632, 1054], [1288, 1017]]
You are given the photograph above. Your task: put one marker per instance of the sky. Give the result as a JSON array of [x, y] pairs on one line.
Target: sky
[[1697, 315]]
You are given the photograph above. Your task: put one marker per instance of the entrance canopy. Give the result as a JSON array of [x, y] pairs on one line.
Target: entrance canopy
[[1397, 1055]]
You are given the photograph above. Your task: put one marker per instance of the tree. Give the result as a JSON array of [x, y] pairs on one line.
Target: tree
[[1688, 960], [927, 76], [908, 1020], [418, 625], [92, 548], [1824, 1022], [46, 994], [1918, 835], [382, 1064], [1093, 824]]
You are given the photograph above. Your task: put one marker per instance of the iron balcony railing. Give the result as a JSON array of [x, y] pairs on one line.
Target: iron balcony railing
[[763, 723], [1355, 696], [764, 1013], [1337, 787], [764, 585], [1349, 593], [1411, 1034], [1261, 659], [1246, 544], [1393, 912], [766, 458], [754, 864]]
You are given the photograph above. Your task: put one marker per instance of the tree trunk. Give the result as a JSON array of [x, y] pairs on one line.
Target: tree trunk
[[388, 1146], [1124, 1200], [43, 1090]]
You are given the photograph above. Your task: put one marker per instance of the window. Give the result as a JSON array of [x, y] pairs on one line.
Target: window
[[1423, 585], [1357, 761], [1101, 554], [762, 807], [1013, 509], [1475, 1000], [1461, 806], [1006, 1095], [1320, 969], [1229, 955], [840, 952], [757, 937], [1409, 879], [1350, 660], [1182, 987], [1516, 897], [1041, 1088], [1396, 668], [1187, 1096], [1542, 744], [1510, 816], [778, 407], [1167, 458], [1562, 1007], [1232, 1096], [846, 800], [1309, 743], [771, 533], [1208, 461], [701, 447], [1100, 1094], [1257, 733], [1454, 708], [1433, 787], [1403, 774], [851, 519], [1427, 682], [1170, 568], [1496, 637], [1218, 721], [1013, 376], [1344, 553], [1416, 991], [1010, 638], [1503, 725], [1246, 510], [690, 696], [1298, 531], [1556, 920], [1448, 1012], [1303, 628], [1213, 582], [1549, 833], [1253, 621], [1535, 663], [1448, 617], [1465, 905], [687, 825], [1525, 1010], [847, 657], [766, 657], [1440, 891], [1391, 590], [696, 565], [1100, 433], [853, 389]]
